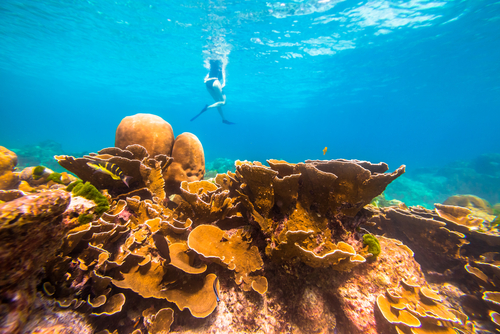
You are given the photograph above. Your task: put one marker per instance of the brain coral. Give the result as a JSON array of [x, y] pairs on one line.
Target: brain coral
[[150, 131], [188, 164]]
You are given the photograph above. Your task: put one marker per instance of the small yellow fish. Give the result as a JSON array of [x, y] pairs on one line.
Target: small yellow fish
[[324, 150], [111, 169]]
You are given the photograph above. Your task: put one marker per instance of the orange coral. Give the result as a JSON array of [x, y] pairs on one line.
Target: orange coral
[[8, 162], [415, 309], [150, 131], [232, 249], [188, 162], [151, 243]]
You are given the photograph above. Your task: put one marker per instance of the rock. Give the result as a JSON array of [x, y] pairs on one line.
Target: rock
[[358, 289], [49, 319], [28, 176], [30, 233], [238, 312], [189, 162], [313, 314], [150, 131], [8, 162]]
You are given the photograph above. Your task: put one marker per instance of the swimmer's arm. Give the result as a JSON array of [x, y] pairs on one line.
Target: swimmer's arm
[[206, 78]]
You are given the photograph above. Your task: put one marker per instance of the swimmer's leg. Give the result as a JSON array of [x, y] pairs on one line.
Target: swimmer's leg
[[222, 115], [220, 98], [216, 92], [201, 112], [216, 104]]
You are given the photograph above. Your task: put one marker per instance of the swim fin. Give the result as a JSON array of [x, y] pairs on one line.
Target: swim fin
[[227, 122], [201, 112]]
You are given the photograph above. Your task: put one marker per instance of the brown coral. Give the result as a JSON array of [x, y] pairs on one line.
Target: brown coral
[[471, 202], [478, 231], [308, 209], [486, 274], [414, 309], [134, 161], [233, 249], [127, 249], [8, 162], [154, 247], [447, 240], [150, 131], [435, 245], [188, 162]]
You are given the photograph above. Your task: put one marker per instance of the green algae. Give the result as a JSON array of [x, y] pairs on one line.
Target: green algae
[[88, 191], [38, 172], [373, 244], [496, 222], [55, 177], [85, 218]]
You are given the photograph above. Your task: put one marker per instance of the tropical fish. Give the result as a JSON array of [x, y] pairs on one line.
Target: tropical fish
[[111, 169], [324, 150], [215, 289]]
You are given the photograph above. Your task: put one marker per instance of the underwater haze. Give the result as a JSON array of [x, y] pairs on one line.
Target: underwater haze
[[405, 82]]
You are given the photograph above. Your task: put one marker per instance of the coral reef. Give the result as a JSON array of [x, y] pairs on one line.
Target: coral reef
[[181, 252], [357, 291], [32, 228], [188, 162], [482, 303], [134, 161], [47, 318], [307, 211], [454, 245], [41, 177], [27, 224], [413, 308], [150, 131], [8, 162], [479, 207], [311, 247]]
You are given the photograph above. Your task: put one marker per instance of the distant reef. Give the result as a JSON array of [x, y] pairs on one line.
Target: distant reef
[[42, 154], [426, 186]]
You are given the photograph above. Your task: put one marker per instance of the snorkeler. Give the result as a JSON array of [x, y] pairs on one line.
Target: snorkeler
[[215, 81]]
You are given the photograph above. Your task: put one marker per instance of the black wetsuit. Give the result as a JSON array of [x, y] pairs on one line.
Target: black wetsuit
[[215, 72]]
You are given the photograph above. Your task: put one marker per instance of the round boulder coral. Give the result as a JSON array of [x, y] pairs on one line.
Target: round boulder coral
[[150, 131], [188, 164], [8, 161]]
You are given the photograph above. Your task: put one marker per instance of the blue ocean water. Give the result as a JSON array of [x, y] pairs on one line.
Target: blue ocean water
[[405, 82]]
